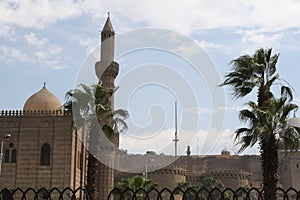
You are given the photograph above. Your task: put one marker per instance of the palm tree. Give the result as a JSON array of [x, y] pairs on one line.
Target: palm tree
[[136, 187], [87, 102], [90, 105], [267, 117]]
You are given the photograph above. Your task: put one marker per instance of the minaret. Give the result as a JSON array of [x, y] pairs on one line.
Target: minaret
[[106, 70]]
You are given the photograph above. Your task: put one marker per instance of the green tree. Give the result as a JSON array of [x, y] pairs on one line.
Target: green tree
[[209, 184], [90, 107], [190, 190], [136, 186], [244, 193], [86, 103], [267, 117]]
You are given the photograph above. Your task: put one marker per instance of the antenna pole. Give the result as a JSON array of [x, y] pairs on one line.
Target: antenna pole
[[176, 139], [197, 145]]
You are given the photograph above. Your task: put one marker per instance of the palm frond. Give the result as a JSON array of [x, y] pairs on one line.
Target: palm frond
[[121, 113], [271, 81], [246, 115], [246, 142], [287, 92], [272, 65], [241, 131]]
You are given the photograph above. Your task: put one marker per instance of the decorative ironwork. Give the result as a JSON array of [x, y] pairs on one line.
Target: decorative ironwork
[[44, 194], [201, 194], [141, 194]]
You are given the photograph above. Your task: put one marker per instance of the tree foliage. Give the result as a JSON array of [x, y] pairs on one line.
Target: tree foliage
[[207, 188], [136, 187], [267, 117], [87, 103]]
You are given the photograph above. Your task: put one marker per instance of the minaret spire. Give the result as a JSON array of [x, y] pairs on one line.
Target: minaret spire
[[107, 29], [107, 44]]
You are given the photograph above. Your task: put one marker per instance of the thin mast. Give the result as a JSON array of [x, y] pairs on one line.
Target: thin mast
[[176, 139]]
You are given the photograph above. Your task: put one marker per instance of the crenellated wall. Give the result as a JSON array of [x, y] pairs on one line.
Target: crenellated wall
[[11, 113], [169, 177], [229, 177]]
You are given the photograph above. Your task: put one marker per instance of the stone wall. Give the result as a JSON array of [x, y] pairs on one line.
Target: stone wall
[[29, 132]]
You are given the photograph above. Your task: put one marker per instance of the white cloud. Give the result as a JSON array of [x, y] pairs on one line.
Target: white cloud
[[32, 39], [46, 52], [42, 51], [211, 142], [259, 38], [190, 16], [209, 45], [37, 13], [214, 110], [201, 142], [87, 42], [9, 54], [42, 58], [8, 33], [55, 65], [182, 16]]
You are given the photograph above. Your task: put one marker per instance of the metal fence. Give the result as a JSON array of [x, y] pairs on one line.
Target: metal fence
[[201, 194], [153, 194], [44, 194]]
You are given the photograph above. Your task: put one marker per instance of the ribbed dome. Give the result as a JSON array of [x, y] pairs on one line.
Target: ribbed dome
[[42, 100]]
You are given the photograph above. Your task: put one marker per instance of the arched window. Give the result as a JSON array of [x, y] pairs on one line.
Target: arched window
[[6, 156], [13, 158], [45, 154]]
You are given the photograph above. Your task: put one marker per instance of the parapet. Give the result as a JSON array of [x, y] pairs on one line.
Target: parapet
[[228, 173], [171, 169], [11, 113]]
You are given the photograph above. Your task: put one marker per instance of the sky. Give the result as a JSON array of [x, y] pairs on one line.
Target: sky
[[168, 51]]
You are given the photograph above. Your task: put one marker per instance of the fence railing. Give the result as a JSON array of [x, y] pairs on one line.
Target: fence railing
[[141, 194], [44, 194], [201, 194]]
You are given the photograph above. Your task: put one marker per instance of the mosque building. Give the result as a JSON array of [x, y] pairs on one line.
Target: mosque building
[[41, 147]]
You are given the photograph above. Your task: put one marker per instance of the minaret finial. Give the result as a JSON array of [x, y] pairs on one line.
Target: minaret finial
[[44, 85], [108, 14]]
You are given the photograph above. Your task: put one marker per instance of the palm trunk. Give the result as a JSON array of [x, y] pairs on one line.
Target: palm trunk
[[93, 162], [269, 153], [269, 158], [91, 174]]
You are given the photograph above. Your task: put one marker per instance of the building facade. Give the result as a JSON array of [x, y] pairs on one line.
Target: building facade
[[45, 150]]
